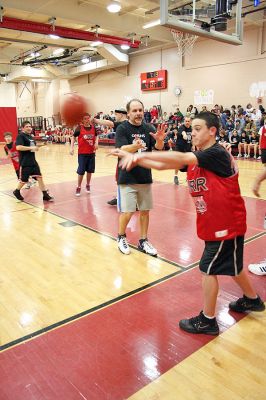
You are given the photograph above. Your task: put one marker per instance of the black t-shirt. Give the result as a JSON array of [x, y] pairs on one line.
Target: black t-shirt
[[9, 146], [223, 139], [244, 139], [26, 158], [125, 135], [254, 140], [235, 139], [215, 159], [180, 141]]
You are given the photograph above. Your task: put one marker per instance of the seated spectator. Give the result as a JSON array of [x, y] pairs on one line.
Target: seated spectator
[[154, 113], [165, 117], [234, 139], [223, 137], [229, 125], [179, 115], [147, 116], [249, 110], [243, 143], [254, 143]]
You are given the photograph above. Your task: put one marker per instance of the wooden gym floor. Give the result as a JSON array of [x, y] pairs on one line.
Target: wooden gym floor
[[80, 320]]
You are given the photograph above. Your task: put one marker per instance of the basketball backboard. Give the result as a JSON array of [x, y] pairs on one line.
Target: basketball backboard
[[220, 20]]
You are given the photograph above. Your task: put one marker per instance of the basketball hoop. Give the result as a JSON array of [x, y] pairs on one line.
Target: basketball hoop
[[185, 42]]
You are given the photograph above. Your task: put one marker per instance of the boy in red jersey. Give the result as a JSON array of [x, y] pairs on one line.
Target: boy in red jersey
[[221, 216], [11, 151], [87, 146]]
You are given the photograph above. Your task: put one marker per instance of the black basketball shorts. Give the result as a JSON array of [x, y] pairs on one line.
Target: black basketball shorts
[[26, 172], [223, 257]]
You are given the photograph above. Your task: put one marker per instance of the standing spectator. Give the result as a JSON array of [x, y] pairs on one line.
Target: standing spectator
[[147, 116], [134, 187], [183, 141], [120, 116]]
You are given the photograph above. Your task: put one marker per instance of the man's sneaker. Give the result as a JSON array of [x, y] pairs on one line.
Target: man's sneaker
[[259, 158], [47, 197], [17, 194], [200, 324], [245, 304], [258, 269], [88, 188], [123, 244], [176, 181], [78, 191], [147, 247], [112, 202], [239, 155]]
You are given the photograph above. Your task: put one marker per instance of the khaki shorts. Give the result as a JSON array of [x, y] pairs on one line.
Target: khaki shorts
[[131, 196]]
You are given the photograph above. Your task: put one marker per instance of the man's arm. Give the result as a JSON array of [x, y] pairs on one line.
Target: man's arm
[[105, 122], [161, 160]]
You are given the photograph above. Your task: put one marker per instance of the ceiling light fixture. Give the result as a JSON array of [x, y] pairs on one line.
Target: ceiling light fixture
[[54, 36], [125, 46], [97, 43], [114, 7], [151, 24], [58, 51], [34, 54]]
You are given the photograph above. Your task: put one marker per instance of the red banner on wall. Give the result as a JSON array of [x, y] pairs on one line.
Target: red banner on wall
[[8, 122]]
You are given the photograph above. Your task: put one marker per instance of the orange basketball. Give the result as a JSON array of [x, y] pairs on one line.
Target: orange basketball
[[73, 109]]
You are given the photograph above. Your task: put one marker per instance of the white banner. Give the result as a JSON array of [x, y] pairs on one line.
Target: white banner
[[203, 97]]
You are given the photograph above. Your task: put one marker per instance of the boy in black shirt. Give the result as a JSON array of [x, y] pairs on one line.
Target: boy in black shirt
[[29, 166]]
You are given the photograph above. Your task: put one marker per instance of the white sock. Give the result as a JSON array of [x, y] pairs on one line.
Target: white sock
[[207, 316]]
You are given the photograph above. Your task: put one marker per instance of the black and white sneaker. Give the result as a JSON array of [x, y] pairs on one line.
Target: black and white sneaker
[[17, 194], [176, 180], [123, 244], [47, 197], [146, 247], [245, 304], [112, 202], [200, 324]]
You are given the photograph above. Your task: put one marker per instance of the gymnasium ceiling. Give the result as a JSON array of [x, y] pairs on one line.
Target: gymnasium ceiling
[[89, 16]]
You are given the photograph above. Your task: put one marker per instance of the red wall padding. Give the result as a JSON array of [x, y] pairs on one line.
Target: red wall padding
[[8, 121]]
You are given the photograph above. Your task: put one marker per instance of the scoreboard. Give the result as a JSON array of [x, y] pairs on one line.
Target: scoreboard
[[155, 80]]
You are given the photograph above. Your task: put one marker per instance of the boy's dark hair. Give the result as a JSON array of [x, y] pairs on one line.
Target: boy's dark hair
[[129, 103], [25, 123], [210, 118], [7, 134]]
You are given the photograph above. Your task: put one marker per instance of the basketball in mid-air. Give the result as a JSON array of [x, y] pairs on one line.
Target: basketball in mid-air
[[73, 109]]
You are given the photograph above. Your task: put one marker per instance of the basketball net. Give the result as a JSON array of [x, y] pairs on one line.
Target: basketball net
[[185, 42]]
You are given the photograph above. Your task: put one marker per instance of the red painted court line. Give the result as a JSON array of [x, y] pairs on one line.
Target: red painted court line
[[173, 205], [113, 353]]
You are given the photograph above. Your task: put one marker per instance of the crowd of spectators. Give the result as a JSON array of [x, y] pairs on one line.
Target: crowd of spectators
[[239, 126]]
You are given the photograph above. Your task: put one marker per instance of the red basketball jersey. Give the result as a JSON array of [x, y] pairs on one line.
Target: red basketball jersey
[[14, 155], [86, 140], [221, 212], [263, 138]]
